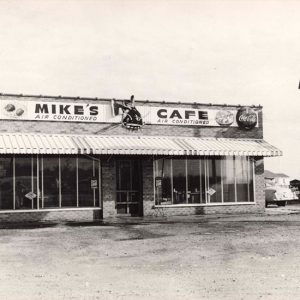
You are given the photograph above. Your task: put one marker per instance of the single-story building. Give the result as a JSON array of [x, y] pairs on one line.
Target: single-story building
[[78, 158]]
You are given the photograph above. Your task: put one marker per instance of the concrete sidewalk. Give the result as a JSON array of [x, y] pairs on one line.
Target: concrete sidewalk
[[270, 212]]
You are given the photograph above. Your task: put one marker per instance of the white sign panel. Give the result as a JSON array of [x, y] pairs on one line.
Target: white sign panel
[[103, 113], [186, 116], [56, 111]]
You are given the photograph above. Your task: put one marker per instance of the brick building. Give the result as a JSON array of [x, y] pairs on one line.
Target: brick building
[[87, 158]]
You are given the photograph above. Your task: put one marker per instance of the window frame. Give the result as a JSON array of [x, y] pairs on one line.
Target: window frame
[[38, 164], [250, 167]]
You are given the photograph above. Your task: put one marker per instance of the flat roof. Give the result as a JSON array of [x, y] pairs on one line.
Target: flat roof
[[269, 174], [137, 100]]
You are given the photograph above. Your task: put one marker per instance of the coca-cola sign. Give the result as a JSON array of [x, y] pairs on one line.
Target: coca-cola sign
[[246, 118]]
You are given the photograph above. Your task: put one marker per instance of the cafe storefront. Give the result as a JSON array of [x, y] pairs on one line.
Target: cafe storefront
[[65, 158]]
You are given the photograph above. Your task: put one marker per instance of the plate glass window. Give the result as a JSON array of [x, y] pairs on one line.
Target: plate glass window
[[37, 182], [6, 183], [202, 181]]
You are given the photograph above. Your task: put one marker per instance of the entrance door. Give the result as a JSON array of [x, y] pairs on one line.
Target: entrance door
[[129, 188]]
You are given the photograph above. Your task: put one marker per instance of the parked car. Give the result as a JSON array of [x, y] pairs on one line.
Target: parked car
[[279, 195]]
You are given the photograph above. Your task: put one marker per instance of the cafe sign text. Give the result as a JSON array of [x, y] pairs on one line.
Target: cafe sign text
[[245, 118]]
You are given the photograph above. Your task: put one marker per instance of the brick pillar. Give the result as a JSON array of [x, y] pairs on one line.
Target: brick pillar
[[148, 192], [260, 183], [108, 187]]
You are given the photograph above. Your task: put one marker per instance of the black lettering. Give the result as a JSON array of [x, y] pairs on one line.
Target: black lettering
[[189, 113], [202, 115], [78, 110], [53, 108], [64, 109], [176, 114], [160, 115], [43, 109], [93, 110]]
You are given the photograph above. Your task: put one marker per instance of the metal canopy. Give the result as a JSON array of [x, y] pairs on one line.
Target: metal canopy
[[33, 143]]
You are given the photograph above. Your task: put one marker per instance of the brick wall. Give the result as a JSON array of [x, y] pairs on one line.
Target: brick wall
[[54, 215], [108, 186], [148, 191], [260, 183]]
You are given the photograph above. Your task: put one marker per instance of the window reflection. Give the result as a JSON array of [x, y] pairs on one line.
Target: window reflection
[[179, 181], [196, 181], [124, 181], [206, 180], [50, 181], [241, 167], [214, 180], [24, 182], [128, 187], [36, 182], [250, 179], [68, 181], [6, 183], [85, 174], [162, 181], [228, 178], [96, 191]]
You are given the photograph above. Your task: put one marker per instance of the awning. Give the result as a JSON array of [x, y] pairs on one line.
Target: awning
[[32, 143]]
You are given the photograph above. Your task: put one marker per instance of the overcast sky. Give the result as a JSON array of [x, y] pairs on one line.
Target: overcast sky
[[234, 52]]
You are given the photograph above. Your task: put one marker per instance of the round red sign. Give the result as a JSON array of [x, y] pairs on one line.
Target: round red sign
[[246, 118]]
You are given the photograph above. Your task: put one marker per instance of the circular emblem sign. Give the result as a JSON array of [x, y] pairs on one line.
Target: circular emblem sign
[[246, 118], [14, 110], [224, 117]]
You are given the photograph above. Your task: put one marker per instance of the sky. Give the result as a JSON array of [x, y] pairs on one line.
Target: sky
[[233, 52]]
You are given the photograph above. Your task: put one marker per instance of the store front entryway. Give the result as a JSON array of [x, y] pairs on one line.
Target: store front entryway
[[129, 188]]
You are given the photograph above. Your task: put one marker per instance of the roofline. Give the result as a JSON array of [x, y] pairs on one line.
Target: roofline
[[109, 99], [276, 175]]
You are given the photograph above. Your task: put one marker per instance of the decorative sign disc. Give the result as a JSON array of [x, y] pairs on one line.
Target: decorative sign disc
[[246, 118], [211, 191], [30, 195]]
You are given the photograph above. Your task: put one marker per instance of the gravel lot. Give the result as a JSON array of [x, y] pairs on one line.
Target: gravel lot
[[202, 257]]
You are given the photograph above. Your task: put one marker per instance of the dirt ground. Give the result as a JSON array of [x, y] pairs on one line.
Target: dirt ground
[[202, 257]]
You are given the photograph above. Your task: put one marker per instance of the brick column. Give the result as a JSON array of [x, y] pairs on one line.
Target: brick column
[[259, 184], [108, 187], [148, 192]]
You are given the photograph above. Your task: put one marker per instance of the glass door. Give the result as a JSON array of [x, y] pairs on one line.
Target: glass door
[[128, 194]]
